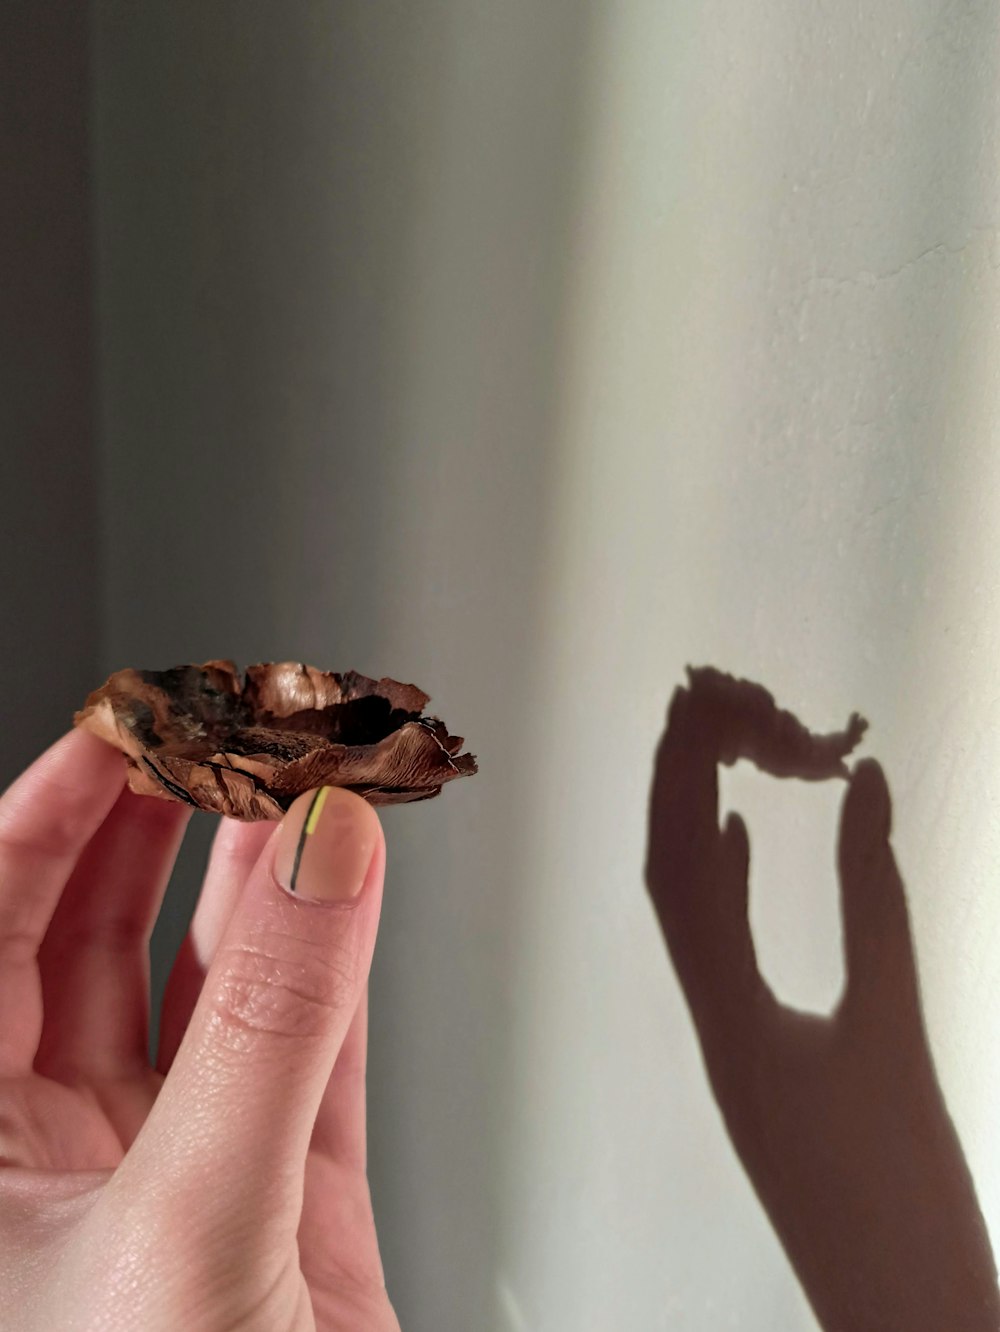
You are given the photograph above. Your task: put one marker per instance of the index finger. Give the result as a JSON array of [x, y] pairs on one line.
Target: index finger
[[684, 800], [47, 816]]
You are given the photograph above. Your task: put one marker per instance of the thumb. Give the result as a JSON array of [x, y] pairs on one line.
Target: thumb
[[878, 948], [232, 1123]]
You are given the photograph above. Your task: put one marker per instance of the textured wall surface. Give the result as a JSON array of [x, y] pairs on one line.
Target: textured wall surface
[[529, 352]]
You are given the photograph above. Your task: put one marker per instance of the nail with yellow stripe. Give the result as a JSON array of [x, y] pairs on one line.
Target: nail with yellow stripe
[[325, 846]]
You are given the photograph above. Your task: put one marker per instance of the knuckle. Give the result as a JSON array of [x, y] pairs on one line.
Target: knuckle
[[18, 942], [120, 935], [67, 822], [276, 987], [29, 847]]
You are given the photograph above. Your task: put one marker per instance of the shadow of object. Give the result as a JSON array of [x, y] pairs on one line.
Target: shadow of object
[[839, 1122]]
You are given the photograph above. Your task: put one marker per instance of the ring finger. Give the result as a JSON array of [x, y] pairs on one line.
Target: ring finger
[[94, 959]]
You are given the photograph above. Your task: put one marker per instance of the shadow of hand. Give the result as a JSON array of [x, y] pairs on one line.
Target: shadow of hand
[[839, 1122]]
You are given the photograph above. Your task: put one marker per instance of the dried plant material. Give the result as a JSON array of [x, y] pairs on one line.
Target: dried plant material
[[747, 723], [247, 748]]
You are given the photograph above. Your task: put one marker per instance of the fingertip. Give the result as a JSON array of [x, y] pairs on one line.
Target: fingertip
[[736, 843], [868, 769], [352, 810], [152, 810], [671, 750], [330, 846], [351, 804], [76, 768], [678, 709], [867, 810], [868, 784], [241, 839], [81, 743]]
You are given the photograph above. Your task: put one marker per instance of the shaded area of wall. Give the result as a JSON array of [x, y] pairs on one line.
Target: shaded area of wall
[[254, 165], [332, 251], [48, 484]]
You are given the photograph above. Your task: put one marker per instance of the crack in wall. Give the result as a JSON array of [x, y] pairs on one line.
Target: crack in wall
[[871, 278]]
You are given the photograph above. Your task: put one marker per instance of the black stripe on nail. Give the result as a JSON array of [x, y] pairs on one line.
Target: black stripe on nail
[[300, 847]]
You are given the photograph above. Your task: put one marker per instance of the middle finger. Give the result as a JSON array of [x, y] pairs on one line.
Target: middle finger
[[94, 959]]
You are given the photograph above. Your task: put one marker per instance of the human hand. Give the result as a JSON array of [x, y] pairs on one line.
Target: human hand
[[839, 1122], [227, 1187]]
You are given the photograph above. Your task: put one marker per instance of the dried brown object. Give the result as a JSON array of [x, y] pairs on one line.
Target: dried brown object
[[247, 748]]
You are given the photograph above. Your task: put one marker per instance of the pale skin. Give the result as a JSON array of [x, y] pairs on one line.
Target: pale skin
[[225, 1188]]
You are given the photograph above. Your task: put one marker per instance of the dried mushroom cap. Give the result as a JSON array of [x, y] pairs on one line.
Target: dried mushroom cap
[[247, 748]]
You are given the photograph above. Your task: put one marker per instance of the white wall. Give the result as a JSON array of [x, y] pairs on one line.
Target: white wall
[[529, 352]]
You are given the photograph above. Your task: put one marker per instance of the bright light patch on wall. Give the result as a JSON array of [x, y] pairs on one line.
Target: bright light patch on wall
[[510, 1309], [794, 890]]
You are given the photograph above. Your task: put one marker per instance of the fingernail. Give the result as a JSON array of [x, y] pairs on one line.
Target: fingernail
[[325, 846]]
